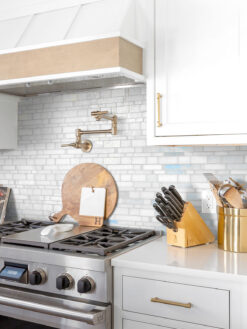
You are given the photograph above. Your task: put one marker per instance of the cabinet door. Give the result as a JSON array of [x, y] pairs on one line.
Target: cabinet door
[[8, 121], [200, 67]]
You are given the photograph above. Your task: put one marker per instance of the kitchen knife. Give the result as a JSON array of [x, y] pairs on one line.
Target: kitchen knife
[[159, 218], [172, 188], [159, 195], [180, 205], [163, 212], [166, 202], [157, 208], [178, 211], [168, 210], [175, 204], [212, 179], [171, 195], [165, 221], [164, 189]]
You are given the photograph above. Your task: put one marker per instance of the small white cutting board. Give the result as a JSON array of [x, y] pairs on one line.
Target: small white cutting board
[[92, 202]]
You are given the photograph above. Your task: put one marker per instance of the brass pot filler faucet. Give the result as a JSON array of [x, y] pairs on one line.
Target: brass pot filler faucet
[[86, 145]]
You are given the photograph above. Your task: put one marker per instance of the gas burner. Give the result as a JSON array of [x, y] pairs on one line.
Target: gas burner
[[102, 241], [21, 226]]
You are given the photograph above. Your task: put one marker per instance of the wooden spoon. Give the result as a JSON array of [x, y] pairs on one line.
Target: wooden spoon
[[216, 195], [233, 197]]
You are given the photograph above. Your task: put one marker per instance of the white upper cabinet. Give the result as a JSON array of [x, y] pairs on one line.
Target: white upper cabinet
[[8, 121], [199, 67]]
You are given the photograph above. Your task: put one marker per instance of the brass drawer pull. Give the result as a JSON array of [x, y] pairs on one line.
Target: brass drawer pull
[[159, 124], [169, 302]]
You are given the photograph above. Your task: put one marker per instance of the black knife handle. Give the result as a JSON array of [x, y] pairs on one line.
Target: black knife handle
[[159, 201], [166, 210], [175, 203], [170, 224], [159, 218], [174, 215], [172, 188], [174, 199], [164, 189], [170, 210], [157, 208], [171, 213], [164, 201], [159, 195], [175, 210], [162, 206], [165, 221]]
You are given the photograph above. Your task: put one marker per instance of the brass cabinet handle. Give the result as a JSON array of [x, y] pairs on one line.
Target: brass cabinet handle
[[169, 302], [159, 96]]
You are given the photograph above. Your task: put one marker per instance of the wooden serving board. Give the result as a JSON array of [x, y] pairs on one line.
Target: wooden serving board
[[86, 175]]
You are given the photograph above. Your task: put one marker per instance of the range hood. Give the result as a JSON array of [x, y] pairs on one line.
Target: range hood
[[93, 44]]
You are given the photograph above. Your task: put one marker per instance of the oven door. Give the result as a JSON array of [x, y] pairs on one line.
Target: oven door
[[51, 311]]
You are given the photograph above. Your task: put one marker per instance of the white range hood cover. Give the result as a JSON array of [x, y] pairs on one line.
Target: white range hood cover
[[84, 21]]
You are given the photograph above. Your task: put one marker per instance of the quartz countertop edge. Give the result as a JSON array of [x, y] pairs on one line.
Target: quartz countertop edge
[[206, 261]]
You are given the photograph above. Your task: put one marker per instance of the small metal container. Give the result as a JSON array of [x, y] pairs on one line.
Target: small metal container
[[232, 229]]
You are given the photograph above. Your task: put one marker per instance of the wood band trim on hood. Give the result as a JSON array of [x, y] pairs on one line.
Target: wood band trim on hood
[[76, 57]]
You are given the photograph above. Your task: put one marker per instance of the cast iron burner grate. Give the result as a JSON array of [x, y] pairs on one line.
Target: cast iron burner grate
[[103, 241], [21, 226]]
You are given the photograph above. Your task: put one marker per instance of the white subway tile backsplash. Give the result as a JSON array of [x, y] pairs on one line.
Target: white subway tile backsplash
[[35, 170]]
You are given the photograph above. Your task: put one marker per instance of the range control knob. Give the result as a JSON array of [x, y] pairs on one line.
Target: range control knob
[[37, 277], [64, 281], [85, 284]]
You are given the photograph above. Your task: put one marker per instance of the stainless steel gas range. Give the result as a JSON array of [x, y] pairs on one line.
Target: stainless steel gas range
[[63, 280]]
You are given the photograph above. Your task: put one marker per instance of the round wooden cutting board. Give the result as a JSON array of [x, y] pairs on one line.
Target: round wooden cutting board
[[86, 175]]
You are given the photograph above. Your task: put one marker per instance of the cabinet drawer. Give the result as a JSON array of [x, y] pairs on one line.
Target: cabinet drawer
[[209, 306], [128, 324]]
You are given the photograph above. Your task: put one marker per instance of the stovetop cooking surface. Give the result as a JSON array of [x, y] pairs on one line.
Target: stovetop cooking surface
[[102, 241], [33, 237], [21, 226], [83, 240]]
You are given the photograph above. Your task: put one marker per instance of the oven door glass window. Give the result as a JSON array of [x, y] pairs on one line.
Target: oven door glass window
[[10, 323]]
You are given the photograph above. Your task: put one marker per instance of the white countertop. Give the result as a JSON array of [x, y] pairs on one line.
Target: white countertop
[[206, 260]]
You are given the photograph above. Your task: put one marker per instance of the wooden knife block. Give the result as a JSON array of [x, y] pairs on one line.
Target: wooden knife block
[[192, 230]]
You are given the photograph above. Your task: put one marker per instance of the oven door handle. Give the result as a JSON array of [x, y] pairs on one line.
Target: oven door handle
[[92, 317]]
